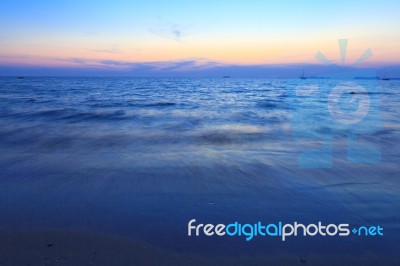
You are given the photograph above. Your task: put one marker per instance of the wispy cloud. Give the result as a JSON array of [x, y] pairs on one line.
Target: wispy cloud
[[114, 49], [170, 31], [76, 60], [189, 67], [15, 56], [178, 65], [92, 33]]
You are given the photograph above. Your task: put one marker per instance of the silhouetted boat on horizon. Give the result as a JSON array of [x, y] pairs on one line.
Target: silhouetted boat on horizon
[[303, 76], [385, 77]]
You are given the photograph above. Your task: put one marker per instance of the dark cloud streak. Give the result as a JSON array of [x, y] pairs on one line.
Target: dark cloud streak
[[192, 67]]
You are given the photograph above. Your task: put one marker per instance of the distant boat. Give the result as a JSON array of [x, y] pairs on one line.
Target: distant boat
[[303, 76], [20, 77], [226, 77], [385, 77]]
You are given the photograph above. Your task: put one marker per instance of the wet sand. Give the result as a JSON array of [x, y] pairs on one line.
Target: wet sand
[[80, 248]]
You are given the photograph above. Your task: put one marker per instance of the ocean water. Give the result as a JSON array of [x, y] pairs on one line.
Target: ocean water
[[140, 157]]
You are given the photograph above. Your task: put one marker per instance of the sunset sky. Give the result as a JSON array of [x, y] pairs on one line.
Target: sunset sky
[[184, 35]]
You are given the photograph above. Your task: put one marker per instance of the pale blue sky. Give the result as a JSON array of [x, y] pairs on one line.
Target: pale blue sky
[[46, 33]]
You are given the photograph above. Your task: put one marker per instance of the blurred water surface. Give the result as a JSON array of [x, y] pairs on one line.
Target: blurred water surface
[[140, 157]]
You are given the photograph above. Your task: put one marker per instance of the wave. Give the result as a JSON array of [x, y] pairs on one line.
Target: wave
[[157, 104], [269, 104], [75, 115]]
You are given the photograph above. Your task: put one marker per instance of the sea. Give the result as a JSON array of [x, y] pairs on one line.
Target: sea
[[138, 158]]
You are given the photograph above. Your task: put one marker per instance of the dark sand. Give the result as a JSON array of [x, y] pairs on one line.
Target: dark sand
[[79, 248]]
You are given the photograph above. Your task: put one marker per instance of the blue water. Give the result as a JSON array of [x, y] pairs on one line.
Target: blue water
[[141, 157]]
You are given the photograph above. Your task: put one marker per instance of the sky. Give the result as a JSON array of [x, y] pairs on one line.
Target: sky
[[140, 38]]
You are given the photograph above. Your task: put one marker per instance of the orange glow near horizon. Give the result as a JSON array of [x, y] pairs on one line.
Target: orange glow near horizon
[[245, 53]]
